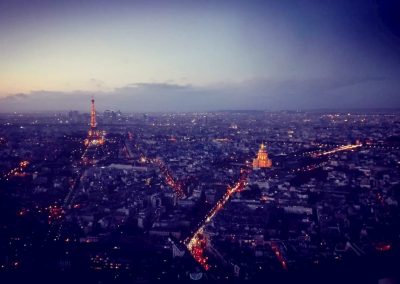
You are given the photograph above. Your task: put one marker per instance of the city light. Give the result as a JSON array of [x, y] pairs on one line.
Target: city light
[[149, 183], [197, 244], [339, 149], [95, 136]]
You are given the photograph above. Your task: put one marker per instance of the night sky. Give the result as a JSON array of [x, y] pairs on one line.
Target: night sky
[[199, 55]]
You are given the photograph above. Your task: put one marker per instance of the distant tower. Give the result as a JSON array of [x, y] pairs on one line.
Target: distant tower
[[95, 136], [262, 160], [93, 115]]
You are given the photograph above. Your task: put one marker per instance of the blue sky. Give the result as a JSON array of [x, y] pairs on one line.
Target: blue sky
[[198, 55]]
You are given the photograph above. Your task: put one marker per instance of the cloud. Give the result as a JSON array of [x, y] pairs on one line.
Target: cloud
[[98, 84], [160, 86], [323, 92], [16, 97], [260, 93]]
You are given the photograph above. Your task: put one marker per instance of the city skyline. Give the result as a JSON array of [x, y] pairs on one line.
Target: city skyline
[[283, 197], [189, 56]]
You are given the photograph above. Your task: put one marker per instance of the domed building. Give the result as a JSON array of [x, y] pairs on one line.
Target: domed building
[[262, 160]]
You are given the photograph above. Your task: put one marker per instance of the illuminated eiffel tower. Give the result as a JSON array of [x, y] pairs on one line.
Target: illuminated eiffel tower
[[95, 136]]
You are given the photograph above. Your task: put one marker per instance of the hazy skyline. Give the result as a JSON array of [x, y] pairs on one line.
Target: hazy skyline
[[198, 55]]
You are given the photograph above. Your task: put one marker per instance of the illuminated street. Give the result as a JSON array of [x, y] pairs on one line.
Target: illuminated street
[[197, 243], [17, 171], [339, 149]]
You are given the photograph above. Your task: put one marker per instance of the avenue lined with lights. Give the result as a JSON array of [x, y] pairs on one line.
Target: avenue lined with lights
[[17, 171], [339, 149], [197, 243]]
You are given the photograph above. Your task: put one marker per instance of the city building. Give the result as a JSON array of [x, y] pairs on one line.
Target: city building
[[262, 160]]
